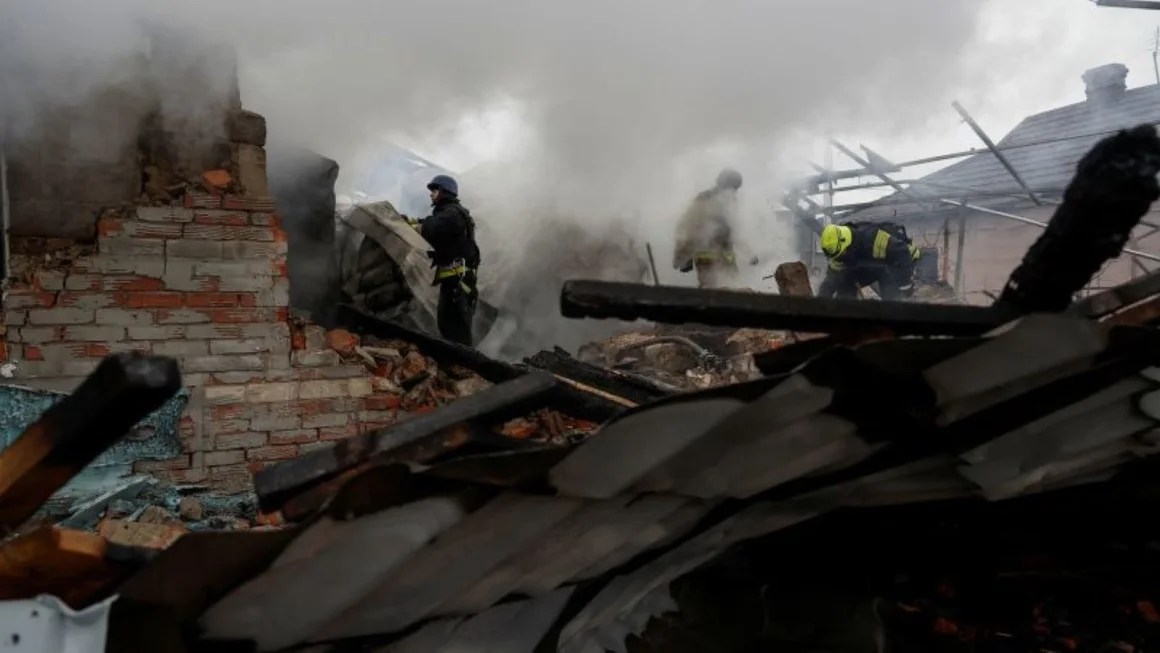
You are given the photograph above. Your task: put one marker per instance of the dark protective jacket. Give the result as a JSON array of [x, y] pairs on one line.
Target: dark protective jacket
[[875, 244], [879, 252], [451, 232]]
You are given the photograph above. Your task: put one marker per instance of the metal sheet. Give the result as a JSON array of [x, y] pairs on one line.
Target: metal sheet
[[515, 627], [626, 450], [461, 557], [47, 625], [297, 595]]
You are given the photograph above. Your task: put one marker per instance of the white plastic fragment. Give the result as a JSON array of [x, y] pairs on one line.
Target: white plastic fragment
[[46, 625]]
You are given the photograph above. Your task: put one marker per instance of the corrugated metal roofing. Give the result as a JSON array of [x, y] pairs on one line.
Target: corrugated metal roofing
[[1047, 147], [1047, 403]]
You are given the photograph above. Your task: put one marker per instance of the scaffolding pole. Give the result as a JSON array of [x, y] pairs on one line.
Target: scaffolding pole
[[995, 150], [1041, 225]]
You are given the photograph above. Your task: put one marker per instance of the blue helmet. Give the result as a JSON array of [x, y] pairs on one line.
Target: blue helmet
[[445, 184]]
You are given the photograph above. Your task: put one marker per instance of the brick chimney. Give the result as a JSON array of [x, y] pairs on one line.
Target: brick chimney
[[1106, 84]]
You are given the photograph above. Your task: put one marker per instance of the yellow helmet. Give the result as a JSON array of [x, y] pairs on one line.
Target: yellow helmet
[[835, 240]]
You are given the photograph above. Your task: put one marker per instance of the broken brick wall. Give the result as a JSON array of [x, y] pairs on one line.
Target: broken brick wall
[[167, 116], [205, 283]]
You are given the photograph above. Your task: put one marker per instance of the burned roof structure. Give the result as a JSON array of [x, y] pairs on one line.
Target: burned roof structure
[[576, 546], [1043, 149]]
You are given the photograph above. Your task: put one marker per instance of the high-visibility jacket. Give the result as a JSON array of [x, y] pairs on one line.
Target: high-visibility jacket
[[876, 244]]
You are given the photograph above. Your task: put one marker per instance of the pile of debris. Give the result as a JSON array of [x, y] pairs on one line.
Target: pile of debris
[[417, 384], [684, 357]]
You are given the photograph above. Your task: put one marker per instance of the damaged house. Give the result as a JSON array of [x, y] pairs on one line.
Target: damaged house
[[975, 218], [917, 477]]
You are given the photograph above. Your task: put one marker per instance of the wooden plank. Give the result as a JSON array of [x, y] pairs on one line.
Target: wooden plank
[[71, 565], [124, 389]]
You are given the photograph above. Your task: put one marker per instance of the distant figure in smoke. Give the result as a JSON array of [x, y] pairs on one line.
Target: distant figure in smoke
[[864, 253], [455, 257], [705, 233]]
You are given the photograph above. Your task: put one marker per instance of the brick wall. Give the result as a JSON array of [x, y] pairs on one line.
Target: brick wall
[[206, 284]]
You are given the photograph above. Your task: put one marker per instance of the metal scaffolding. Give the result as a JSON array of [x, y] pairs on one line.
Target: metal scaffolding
[[954, 201]]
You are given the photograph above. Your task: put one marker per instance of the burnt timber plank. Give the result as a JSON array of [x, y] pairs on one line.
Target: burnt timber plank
[[628, 301], [123, 390], [276, 484], [565, 398]]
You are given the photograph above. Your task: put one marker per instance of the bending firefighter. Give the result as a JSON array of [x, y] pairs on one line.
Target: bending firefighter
[[705, 233], [455, 256], [864, 253]]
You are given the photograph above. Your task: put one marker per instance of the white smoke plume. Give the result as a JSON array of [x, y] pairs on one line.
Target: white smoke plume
[[627, 108]]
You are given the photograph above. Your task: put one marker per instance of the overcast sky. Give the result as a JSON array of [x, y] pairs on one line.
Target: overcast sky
[[593, 107], [1024, 57]]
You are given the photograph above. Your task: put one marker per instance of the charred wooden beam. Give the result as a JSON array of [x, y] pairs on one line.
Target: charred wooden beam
[[1114, 186], [564, 397], [122, 391], [274, 485], [627, 301], [635, 388]]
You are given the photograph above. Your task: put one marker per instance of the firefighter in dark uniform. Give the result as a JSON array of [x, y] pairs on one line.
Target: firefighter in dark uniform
[[864, 253], [455, 256], [704, 239]]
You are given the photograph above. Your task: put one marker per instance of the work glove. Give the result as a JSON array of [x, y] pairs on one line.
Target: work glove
[[687, 267], [415, 224]]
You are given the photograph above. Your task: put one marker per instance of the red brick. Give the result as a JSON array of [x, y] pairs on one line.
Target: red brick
[[96, 350], [229, 412], [229, 219], [296, 436], [211, 300], [132, 284], [275, 452], [154, 229], [151, 300], [223, 232], [182, 476], [202, 201], [3, 350], [146, 466], [231, 478], [283, 314], [22, 299], [32, 353], [231, 457], [239, 441], [239, 316], [247, 300], [279, 235], [382, 402], [265, 219], [281, 269], [87, 300], [236, 203], [110, 226], [338, 432]]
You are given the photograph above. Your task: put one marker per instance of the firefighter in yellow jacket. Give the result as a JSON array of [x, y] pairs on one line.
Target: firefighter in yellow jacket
[[864, 253], [705, 233]]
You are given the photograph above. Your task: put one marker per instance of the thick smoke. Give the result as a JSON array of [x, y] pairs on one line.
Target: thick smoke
[[627, 108]]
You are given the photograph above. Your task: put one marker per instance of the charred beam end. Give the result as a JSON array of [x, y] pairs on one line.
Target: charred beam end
[[1114, 186], [276, 484], [731, 308], [122, 391]]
